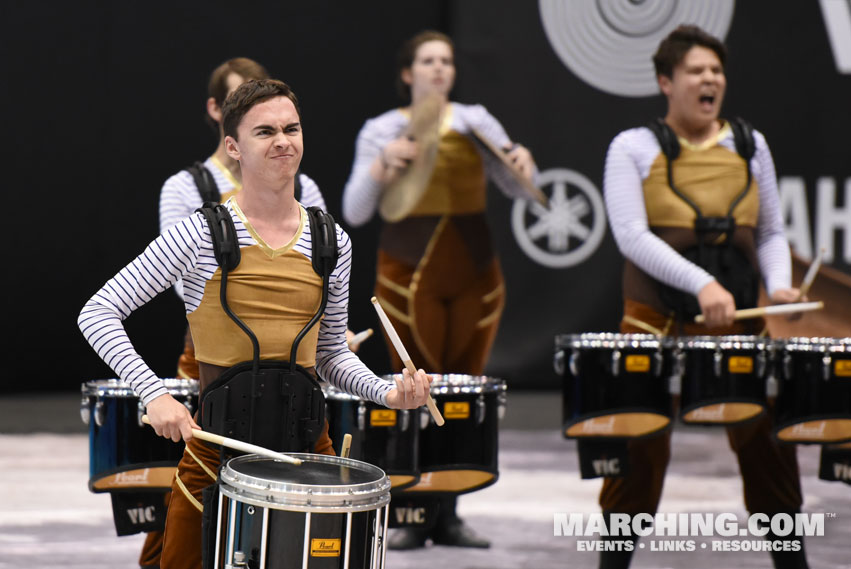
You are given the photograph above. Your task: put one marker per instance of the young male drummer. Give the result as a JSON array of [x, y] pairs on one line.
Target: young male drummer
[[276, 284], [665, 285]]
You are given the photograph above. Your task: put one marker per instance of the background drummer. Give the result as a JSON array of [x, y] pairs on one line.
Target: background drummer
[[262, 127], [655, 231], [438, 277]]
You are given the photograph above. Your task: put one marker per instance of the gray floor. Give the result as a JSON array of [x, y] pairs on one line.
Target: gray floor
[[48, 518]]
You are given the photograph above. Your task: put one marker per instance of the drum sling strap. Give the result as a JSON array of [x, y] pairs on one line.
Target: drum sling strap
[[275, 404], [714, 251], [209, 190]]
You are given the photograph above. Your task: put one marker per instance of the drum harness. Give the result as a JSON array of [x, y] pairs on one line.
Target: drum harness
[[718, 256], [275, 404]]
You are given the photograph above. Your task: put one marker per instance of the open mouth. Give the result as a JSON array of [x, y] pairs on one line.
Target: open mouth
[[707, 100]]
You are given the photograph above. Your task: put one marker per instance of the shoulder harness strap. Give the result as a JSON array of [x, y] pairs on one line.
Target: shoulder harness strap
[[204, 181]]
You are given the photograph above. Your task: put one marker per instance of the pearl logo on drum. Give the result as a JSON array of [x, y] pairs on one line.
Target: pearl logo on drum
[[569, 229], [325, 547]]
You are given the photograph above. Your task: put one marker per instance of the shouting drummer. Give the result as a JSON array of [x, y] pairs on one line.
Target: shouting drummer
[[694, 208], [424, 170], [274, 290]]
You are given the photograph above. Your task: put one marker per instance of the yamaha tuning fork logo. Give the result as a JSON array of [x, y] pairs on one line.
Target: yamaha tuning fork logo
[[569, 229]]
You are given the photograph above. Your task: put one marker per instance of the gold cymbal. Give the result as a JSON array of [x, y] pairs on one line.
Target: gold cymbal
[[401, 196]]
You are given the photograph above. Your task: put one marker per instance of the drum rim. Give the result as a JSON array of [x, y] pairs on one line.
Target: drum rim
[[120, 388], [741, 341], [815, 344], [611, 340], [302, 496]]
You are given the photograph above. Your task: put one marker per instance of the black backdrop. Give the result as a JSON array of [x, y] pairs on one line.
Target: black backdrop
[[104, 100]]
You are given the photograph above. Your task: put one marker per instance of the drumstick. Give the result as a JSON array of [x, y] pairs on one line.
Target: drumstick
[[237, 445], [360, 337], [347, 445], [812, 271], [770, 310], [406, 359]]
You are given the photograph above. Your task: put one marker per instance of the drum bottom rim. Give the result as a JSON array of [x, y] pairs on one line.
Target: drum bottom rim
[[451, 481], [636, 423], [723, 412], [832, 430]]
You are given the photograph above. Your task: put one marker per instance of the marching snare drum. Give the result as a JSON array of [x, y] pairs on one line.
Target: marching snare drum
[[615, 385], [814, 399], [724, 378], [125, 453], [461, 455], [387, 438], [326, 512]]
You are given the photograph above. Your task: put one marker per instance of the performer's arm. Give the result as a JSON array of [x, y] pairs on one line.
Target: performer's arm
[[336, 363], [624, 196]]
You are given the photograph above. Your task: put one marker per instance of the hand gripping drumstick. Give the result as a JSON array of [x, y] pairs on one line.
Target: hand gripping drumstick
[[769, 310], [237, 445], [406, 359]]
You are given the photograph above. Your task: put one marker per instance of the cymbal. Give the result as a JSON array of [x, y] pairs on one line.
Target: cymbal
[[400, 197], [531, 189]]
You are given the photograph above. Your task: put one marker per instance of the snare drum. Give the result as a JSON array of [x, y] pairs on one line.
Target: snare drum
[[814, 400], [326, 512], [724, 378], [387, 438], [124, 453], [461, 455], [615, 385]]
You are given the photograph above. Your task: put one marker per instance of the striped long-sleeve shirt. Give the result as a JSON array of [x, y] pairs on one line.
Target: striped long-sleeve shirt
[[185, 252], [628, 161], [362, 192]]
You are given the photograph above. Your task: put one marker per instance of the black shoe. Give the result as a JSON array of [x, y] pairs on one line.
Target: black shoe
[[457, 533], [406, 538]]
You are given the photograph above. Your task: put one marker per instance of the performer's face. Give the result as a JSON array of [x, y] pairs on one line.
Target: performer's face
[[270, 141], [696, 88], [433, 70]]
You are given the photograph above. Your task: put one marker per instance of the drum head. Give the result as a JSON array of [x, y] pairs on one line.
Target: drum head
[[320, 483]]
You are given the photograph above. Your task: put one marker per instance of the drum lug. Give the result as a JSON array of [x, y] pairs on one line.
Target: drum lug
[[361, 416], [675, 384], [558, 362], [825, 367], [100, 413], [718, 359], [405, 420], [771, 386], [616, 363], [760, 364], [140, 410], [425, 418], [658, 359], [787, 367], [480, 409], [501, 400], [679, 364], [574, 363], [238, 561], [85, 412]]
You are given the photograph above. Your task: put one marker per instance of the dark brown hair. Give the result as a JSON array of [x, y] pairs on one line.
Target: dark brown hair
[[217, 86], [672, 50], [408, 52], [248, 95]]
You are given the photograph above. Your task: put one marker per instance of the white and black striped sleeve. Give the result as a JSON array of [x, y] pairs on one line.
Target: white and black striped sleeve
[[335, 362], [169, 257], [310, 194]]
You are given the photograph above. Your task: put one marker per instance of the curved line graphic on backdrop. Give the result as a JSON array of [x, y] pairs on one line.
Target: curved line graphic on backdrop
[[609, 44]]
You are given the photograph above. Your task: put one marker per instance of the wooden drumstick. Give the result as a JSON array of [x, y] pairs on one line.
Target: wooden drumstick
[[237, 445], [770, 310], [406, 359], [347, 446], [812, 271], [360, 337]]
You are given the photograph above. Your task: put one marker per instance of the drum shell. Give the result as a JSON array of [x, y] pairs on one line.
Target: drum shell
[[609, 378], [387, 438], [124, 453], [721, 374], [279, 522], [814, 390]]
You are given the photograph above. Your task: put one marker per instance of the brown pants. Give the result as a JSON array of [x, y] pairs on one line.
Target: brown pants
[[769, 469], [445, 310], [198, 469]]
